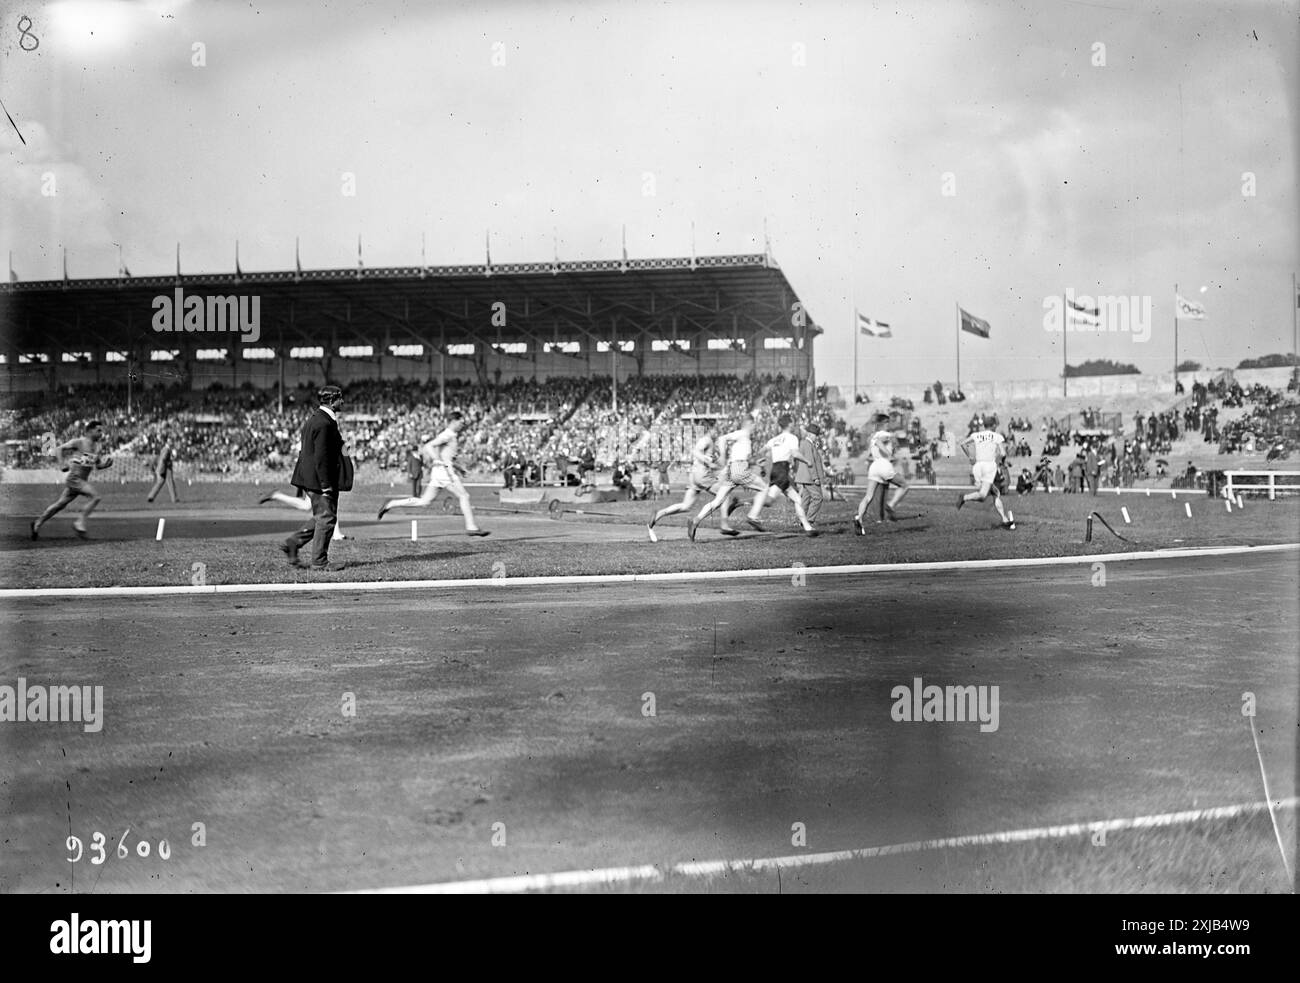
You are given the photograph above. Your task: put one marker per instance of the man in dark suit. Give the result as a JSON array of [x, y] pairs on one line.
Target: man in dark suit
[[1092, 469], [414, 468], [163, 472], [319, 468], [810, 473]]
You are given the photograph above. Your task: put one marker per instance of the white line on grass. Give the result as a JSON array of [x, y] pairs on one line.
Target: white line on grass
[[1254, 733], [609, 876], [495, 583]]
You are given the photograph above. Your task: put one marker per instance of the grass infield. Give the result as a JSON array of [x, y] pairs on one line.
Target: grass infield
[[221, 527]]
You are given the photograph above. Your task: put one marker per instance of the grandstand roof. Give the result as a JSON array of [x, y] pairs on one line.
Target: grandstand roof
[[721, 296]]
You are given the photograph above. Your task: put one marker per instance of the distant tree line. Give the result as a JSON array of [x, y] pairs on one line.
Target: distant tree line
[[1268, 362], [1100, 366]]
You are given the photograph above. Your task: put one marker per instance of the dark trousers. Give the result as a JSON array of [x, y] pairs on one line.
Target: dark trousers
[[166, 478], [415, 487], [811, 498], [1092, 482], [320, 530]]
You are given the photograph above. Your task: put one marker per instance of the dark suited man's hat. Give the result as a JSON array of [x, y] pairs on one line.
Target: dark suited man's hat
[[330, 395], [813, 429]]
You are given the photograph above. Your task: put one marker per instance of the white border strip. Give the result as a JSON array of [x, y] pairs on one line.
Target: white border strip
[[610, 876], [635, 578]]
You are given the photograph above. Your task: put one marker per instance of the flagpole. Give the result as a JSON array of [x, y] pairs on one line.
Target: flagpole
[[1175, 339], [957, 305], [1295, 330], [1065, 360], [854, 328]]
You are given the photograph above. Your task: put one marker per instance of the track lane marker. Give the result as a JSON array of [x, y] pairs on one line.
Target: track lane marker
[[496, 583], [655, 872]]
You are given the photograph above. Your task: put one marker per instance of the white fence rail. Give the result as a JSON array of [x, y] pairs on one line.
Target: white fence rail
[[1257, 482]]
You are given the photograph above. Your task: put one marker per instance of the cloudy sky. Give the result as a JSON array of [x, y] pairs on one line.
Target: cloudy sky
[[904, 156]]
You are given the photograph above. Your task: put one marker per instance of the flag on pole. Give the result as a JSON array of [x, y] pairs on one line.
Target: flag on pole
[[1078, 313], [973, 324], [121, 264], [872, 327], [238, 271], [65, 264], [360, 264], [13, 277], [1189, 310], [297, 261]]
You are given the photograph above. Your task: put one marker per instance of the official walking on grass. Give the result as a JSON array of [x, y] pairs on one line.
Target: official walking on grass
[[320, 472], [163, 473], [810, 473]]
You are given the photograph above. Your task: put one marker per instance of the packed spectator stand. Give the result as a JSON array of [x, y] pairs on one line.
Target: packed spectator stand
[[526, 431]]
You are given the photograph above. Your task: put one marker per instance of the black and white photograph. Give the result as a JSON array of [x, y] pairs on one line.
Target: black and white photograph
[[640, 448]]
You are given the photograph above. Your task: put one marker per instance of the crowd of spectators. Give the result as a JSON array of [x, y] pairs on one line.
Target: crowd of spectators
[[527, 431]]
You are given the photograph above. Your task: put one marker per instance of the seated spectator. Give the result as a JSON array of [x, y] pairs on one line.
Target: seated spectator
[[622, 479]]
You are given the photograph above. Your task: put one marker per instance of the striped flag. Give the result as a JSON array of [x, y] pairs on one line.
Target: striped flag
[[870, 326], [1081, 313], [1189, 310], [973, 324]]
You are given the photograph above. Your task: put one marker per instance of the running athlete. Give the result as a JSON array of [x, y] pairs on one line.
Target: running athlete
[[439, 456], [83, 456], [881, 473], [735, 448], [704, 476], [990, 450], [783, 450]]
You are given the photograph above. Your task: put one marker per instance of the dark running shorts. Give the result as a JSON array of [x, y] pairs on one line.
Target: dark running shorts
[[780, 475]]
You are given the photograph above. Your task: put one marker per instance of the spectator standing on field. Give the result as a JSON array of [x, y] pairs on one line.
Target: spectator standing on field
[[414, 468]]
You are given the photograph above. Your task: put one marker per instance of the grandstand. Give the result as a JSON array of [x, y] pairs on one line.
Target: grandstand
[[491, 324], [626, 358]]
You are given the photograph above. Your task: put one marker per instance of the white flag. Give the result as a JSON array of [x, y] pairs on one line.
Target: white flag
[[1189, 310], [872, 327]]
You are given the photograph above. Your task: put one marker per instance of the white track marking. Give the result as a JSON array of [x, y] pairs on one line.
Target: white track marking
[[1268, 797], [496, 583], [609, 876]]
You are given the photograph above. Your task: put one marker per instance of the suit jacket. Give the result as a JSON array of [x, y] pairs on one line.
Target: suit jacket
[[321, 458], [814, 472]]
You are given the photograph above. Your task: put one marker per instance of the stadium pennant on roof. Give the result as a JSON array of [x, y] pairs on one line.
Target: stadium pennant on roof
[[973, 324], [1189, 310], [870, 326]]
